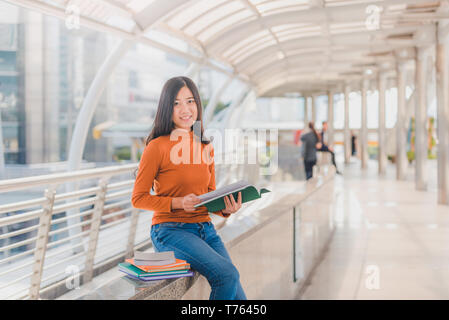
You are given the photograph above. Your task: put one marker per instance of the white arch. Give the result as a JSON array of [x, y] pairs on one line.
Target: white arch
[[335, 14]]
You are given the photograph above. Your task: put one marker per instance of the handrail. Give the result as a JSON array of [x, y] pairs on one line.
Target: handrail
[[28, 210], [238, 230], [61, 178]]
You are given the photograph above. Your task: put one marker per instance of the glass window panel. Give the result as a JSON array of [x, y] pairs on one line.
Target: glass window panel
[[282, 6], [261, 43], [240, 17], [190, 13], [355, 110], [248, 41], [168, 40], [310, 29], [286, 9], [68, 69], [256, 66], [339, 111], [373, 109], [56, 3], [391, 107], [297, 36], [347, 27], [256, 2], [334, 3], [121, 23], [295, 52], [320, 111]]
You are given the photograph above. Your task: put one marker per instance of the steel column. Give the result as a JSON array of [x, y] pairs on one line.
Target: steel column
[[421, 119], [330, 117], [442, 74], [364, 131], [41, 243], [95, 230], [347, 138], [401, 161], [382, 156]]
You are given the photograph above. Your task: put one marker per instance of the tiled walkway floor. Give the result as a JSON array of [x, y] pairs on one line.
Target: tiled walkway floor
[[390, 241]]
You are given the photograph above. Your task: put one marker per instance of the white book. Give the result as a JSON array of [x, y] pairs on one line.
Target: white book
[[164, 256]]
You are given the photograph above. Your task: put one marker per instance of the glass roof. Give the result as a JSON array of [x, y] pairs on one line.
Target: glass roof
[[252, 35]]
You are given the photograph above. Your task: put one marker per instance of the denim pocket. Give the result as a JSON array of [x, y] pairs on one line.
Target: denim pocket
[[155, 228]]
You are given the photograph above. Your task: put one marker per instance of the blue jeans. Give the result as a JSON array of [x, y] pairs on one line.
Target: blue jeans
[[200, 245]]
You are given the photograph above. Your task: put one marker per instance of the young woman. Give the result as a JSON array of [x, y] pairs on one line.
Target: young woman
[[310, 142], [178, 163]]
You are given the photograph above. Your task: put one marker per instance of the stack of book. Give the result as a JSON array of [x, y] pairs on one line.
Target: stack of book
[[155, 266]]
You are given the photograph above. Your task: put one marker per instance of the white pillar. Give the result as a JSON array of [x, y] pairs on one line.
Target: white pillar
[[330, 118], [313, 110], [442, 74], [306, 112], [401, 160], [382, 156], [347, 138], [364, 130], [192, 71], [2, 151], [421, 119], [90, 103]]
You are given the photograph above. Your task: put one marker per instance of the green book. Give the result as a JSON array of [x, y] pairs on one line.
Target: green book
[[214, 200]]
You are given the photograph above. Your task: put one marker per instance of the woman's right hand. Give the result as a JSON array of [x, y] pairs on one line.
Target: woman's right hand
[[189, 201]]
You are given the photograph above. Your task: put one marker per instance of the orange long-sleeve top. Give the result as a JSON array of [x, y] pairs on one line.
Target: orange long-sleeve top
[[175, 167]]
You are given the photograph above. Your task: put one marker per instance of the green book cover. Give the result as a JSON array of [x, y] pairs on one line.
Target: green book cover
[[214, 200]]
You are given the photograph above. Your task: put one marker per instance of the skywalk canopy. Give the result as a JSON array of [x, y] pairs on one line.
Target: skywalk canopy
[[278, 46]]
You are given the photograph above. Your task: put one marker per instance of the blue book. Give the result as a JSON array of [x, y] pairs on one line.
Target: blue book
[[151, 278], [137, 273], [131, 269]]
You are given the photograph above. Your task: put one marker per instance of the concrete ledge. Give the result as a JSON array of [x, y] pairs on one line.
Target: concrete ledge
[[283, 198]]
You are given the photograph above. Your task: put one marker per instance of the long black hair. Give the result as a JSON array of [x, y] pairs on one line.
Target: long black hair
[[163, 122], [312, 127]]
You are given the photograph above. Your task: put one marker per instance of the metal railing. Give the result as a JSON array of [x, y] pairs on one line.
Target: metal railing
[[57, 233], [37, 250]]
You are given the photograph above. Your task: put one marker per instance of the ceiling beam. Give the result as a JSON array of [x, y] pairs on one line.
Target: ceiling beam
[[366, 36], [234, 33]]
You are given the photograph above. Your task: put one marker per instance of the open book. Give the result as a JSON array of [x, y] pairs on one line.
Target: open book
[[214, 200]]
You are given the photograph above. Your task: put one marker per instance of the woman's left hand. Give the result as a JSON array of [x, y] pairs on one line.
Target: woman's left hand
[[231, 205]]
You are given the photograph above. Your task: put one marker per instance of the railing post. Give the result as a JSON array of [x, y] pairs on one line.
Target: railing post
[[294, 244], [95, 230], [41, 243], [132, 233]]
